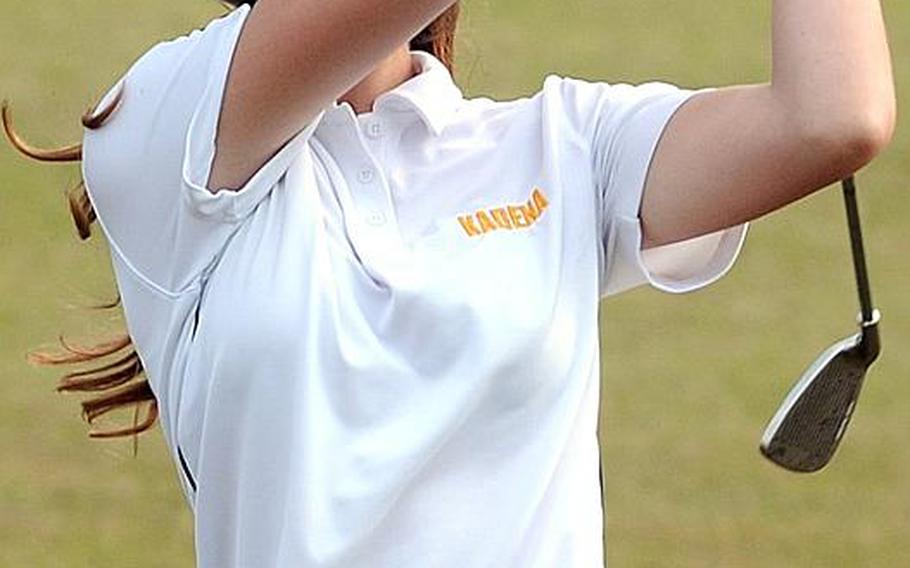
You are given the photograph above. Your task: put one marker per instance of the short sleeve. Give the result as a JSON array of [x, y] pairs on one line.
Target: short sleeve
[[621, 124], [147, 168]]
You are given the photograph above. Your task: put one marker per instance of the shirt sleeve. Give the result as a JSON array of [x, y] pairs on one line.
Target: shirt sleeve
[[147, 168], [621, 125]]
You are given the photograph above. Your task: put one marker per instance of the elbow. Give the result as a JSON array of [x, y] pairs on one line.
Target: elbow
[[872, 133], [855, 140]]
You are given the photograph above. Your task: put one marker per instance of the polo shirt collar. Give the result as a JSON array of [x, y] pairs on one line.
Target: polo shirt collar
[[432, 94]]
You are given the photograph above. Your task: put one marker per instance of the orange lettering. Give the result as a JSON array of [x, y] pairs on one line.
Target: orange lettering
[[501, 218], [518, 218], [539, 199], [486, 225], [530, 212], [467, 223]]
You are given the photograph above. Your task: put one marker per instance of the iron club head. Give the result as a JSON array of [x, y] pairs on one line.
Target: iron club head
[[807, 428]]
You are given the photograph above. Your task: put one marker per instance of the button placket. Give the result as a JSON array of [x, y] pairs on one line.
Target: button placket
[[375, 218], [375, 200], [371, 197], [374, 130], [366, 174], [360, 150]]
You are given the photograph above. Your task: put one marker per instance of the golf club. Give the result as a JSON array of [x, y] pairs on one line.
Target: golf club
[[807, 428]]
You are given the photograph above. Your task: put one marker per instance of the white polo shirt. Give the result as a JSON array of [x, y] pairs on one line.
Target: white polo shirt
[[383, 350]]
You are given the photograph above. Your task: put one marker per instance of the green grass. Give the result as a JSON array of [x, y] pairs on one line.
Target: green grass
[[689, 381]]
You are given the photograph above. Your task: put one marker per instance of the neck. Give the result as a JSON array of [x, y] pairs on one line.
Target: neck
[[388, 74]]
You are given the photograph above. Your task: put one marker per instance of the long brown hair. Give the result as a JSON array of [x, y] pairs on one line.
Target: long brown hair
[[116, 375]]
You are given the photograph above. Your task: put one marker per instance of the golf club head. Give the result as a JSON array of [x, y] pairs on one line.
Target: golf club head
[[807, 428]]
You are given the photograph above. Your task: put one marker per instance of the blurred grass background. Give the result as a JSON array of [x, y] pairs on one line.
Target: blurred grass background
[[689, 381]]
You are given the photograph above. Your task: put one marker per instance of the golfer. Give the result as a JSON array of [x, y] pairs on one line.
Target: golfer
[[365, 306]]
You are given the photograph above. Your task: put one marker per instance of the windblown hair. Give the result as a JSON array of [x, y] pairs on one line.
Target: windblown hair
[[114, 373]]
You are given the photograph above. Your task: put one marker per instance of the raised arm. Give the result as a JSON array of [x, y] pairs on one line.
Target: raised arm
[[295, 57], [734, 154]]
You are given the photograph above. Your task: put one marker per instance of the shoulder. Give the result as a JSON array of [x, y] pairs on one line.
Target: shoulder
[[559, 106], [172, 68], [203, 43], [133, 165], [585, 96], [489, 110], [159, 93], [551, 86], [572, 105], [556, 95]]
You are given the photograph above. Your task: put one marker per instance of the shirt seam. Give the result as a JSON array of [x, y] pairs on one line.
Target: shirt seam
[[148, 283], [140, 277], [125, 261]]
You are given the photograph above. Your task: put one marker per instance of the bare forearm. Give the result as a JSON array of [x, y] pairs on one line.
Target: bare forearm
[[832, 67]]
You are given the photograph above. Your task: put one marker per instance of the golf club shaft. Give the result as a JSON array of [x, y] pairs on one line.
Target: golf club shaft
[[856, 244]]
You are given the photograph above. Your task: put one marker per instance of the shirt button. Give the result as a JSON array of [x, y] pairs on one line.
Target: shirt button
[[365, 175], [375, 218], [374, 130]]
